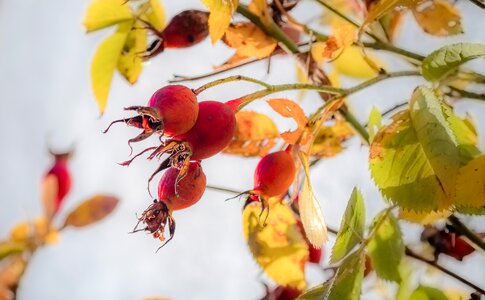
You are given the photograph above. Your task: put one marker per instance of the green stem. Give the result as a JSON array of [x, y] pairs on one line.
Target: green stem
[[464, 230], [391, 48], [229, 79], [378, 44], [350, 118], [468, 94]]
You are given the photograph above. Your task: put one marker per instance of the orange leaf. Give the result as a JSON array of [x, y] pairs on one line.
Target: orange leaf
[[290, 109], [255, 134], [343, 36], [49, 189], [91, 211], [249, 40], [438, 17]]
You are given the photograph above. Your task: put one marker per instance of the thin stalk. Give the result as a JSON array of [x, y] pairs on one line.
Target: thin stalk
[[230, 79], [467, 94], [432, 263]]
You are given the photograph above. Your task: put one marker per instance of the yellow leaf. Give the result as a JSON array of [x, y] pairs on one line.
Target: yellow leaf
[[20, 232], [290, 109], [310, 211], [352, 63], [105, 61], [255, 134], [155, 14], [130, 64], [278, 247], [423, 218], [343, 35], [382, 7], [221, 12], [470, 187], [104, 13], [91, 211], [438, 17], [249, 40], [39, 230], [260, 8], [328, 141]]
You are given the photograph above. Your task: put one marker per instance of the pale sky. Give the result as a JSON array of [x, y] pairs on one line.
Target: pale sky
[[46, 99]]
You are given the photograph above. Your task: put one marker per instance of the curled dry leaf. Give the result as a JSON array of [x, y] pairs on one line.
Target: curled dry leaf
[[91, 211], [438, 17], [278, 247], [310, 211], [249, 40], [290, 109], [255, 134]]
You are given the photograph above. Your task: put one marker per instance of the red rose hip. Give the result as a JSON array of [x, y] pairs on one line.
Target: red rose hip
[[173, 195], [171, 110], [274, 174], [184, 30]]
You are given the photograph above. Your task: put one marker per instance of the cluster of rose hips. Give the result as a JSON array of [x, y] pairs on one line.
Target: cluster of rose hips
[[190, 131]]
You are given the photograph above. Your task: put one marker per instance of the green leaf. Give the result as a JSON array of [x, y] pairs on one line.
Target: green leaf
[[104, 13], [8, 248], [346, 284], [221, 12], [130, 64], [427, 293], [386, 247], [374, 123], [415, 160], [105, 61], [446, 59], [351, 230]]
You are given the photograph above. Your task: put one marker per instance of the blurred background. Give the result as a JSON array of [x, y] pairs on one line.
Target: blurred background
[[46, 101]]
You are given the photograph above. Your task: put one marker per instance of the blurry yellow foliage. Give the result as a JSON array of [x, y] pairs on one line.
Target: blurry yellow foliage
[[352, 63], [278, 247]]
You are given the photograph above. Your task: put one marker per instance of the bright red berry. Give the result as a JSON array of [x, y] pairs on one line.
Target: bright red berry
[[172, 110], [59, 179], [188, 191], [274, 174], [173, 195]]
